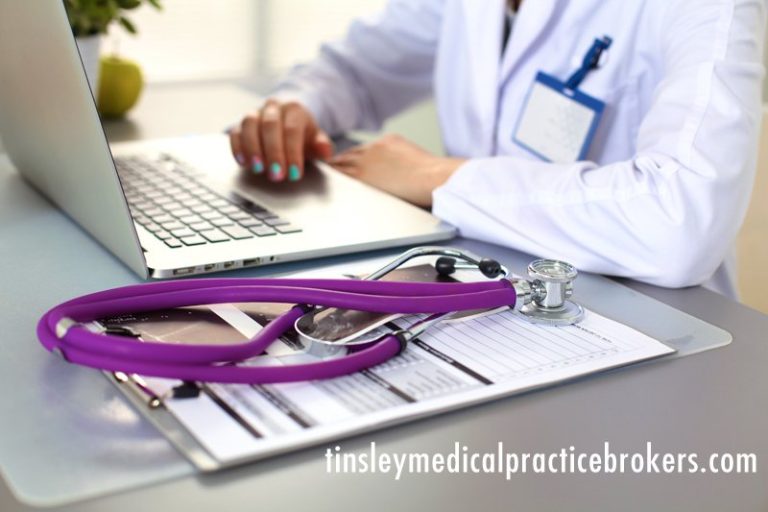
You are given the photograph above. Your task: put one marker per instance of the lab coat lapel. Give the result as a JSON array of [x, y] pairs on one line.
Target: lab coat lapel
[[531, 23], [484, 22]]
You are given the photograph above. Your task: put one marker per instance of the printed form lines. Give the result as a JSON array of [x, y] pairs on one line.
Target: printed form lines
[[502, 346]]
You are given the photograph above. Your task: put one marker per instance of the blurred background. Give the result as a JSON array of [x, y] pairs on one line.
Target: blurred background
[[242, 37], [251, 42]]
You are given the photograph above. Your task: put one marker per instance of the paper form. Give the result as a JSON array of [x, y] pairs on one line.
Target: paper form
[[454, 364]]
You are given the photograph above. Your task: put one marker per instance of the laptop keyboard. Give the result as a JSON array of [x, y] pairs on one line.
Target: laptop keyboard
[[165, 197]]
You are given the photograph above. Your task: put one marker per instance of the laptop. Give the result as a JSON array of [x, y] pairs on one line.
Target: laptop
[[172, 207]]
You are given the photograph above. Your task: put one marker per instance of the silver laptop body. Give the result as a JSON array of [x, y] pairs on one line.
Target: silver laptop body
[[171, 207]]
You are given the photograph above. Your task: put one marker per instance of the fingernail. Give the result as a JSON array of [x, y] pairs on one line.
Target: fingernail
[[240, 159], [277, 171], [293, 172], [258, 165]]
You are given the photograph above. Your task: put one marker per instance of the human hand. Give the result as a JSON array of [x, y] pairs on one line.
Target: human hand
[[399, 167], [278, 139]]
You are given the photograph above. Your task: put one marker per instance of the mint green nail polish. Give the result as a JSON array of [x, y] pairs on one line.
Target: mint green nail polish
[[277, 170], [293, 173], [258, 165]]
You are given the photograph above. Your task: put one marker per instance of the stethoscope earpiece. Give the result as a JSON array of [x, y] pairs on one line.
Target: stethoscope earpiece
[[490, 268], [446, 265]]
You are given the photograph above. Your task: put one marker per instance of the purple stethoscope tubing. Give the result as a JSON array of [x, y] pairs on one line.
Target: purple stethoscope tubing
[[60, 328]]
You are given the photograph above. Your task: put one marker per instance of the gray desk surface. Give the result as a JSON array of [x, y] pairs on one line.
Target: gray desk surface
[[706, 403]]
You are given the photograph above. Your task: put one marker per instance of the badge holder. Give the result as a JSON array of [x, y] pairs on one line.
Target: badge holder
[[558, 122]]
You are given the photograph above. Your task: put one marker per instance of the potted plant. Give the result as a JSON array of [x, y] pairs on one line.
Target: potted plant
[[90, 19]]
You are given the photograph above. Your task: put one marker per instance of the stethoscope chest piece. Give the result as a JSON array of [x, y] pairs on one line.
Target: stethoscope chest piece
[[546, 294]]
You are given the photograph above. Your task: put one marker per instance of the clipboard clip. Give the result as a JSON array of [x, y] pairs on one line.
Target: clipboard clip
[[139, 387]]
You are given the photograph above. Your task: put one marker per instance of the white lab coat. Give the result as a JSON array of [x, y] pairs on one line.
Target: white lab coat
[[667, 180]]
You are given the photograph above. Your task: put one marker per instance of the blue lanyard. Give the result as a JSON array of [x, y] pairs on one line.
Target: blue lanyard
[[590, 62]]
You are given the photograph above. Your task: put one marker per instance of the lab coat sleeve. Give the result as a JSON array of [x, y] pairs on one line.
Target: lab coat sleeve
[[383, 65], [667, 216]]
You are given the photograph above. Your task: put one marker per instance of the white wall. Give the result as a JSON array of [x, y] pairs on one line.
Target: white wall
[[191, 39], [207, 39], [296, 28]]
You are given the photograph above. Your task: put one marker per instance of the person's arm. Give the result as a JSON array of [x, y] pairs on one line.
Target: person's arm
[[383, 65], [667, 216]]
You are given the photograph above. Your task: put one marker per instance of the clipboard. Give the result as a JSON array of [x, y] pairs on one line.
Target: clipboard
[[158, 407]]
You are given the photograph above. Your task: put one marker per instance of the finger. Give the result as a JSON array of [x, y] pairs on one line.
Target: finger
[[355, 150], [353, 153], [236, 146], [295, 127], [346, 163], [342, 159], [322, 146], [271, 133], [251, 143]]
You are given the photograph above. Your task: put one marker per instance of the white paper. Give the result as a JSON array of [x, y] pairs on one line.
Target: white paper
[[452, 365]]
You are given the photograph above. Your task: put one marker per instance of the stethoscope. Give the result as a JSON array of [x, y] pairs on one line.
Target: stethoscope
[[65, 329]]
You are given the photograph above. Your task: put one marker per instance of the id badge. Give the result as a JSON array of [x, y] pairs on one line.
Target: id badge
[[557, 123]]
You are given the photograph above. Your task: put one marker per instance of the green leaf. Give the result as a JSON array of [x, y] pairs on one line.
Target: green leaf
[[127, 24], [128, 4], [87, 17]]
